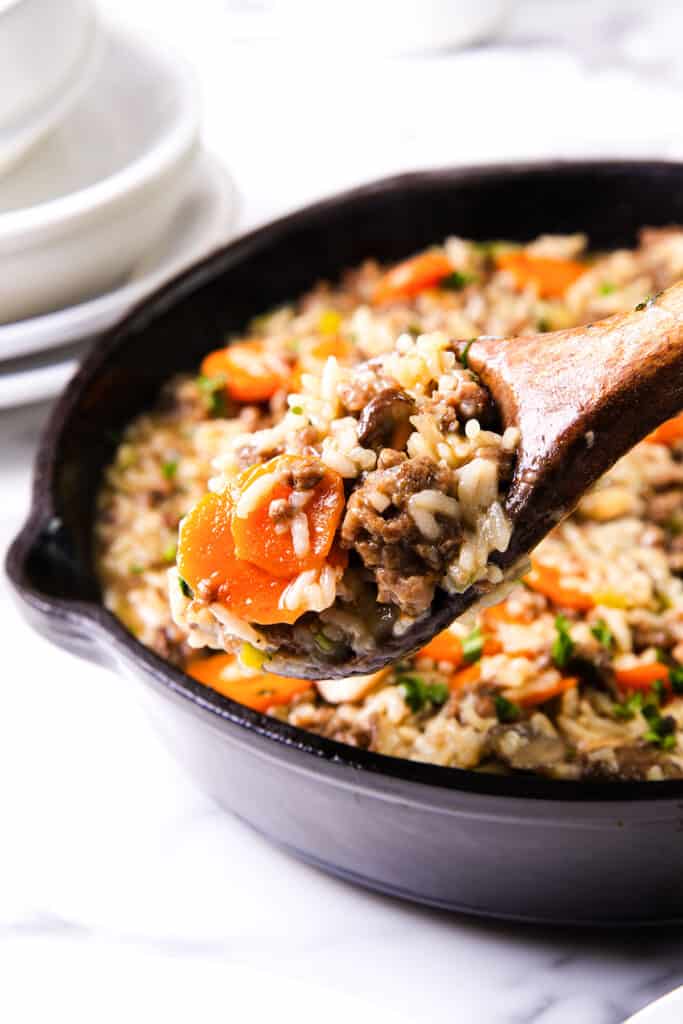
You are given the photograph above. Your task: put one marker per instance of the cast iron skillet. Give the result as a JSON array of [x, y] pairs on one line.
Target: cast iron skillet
[[518, 847]]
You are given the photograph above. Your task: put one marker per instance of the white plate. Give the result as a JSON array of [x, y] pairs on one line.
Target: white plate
[[87, 202], [48, 53], [203, 223], [667, 1010]]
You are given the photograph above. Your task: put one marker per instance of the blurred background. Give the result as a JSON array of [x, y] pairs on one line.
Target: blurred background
[[303, 97]]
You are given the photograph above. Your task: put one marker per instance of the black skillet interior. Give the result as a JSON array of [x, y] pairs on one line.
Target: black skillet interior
[[51, 562]]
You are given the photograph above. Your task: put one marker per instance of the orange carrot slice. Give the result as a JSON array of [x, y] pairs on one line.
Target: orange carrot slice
[[444, 646], [497, 613], [641, 677], [223, 673], [465, 677], [669, 432], [530, 696], [207, 561], [548, 581], [260, 539], [552, 277], [250, 372], [411, 277]]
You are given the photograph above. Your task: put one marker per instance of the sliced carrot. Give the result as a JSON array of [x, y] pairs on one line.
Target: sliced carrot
[[552, 277], [530, 696], [497, 613], [465, 677], [223, 673], [547, 580], [334, 345], [208, 563], [411, 277], [256, 533], [641, 677], [669, 432], [444, 646], [250, 371]]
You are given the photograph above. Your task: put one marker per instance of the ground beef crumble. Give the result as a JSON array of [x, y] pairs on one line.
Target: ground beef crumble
[[407, 566]]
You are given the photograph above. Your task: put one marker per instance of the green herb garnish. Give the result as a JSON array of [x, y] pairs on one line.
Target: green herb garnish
[[658, 690], [473, 645], [506, 710], [628, 708], [563, 645], [417, 692], [603, 634], [185, 588], [169, 553], [465, 352], [212, 387], [297, 410], [662, 728], [456, 281], [543, 325], [607, 287], [136, 570], [169, 469], [323, 642], [676, 678]]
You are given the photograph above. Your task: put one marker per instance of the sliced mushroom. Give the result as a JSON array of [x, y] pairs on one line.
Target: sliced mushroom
[[524, 749], [385, 420]]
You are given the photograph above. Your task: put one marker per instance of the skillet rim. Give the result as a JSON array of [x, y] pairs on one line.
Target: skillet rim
[[69, 616]]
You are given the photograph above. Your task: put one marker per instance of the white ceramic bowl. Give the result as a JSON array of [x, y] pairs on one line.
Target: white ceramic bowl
[[87, 202], [48, 50]]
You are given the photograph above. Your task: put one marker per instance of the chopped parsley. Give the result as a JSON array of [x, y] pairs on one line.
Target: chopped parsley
[[169, 553], [607, 287], [465, 352], [297, 410], [506, 710], [185, 588], [543, 325], [169, 469], [662, 728], [629, 707], [473, 645], [676, 678], [324, 642], [417, 692], [212, 387], [603, 634], [456, 281], [563, 645], [136, 570]]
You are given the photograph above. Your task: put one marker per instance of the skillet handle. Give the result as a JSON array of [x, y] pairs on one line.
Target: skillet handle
[[54, 593]]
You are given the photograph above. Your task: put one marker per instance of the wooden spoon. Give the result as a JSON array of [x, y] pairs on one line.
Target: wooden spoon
[[581, 399]]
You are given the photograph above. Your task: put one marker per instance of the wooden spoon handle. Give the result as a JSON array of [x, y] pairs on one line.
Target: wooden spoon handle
[[581, 399]]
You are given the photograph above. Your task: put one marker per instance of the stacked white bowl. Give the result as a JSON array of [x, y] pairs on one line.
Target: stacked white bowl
[[104, 189]]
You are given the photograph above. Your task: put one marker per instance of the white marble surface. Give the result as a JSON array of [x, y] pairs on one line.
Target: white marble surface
[[124, 893]]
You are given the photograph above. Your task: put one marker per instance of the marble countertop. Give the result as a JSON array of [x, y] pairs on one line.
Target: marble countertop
[[125, 894]]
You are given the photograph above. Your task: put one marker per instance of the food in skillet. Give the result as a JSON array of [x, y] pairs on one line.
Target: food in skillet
[[380, 483], [456, 705]]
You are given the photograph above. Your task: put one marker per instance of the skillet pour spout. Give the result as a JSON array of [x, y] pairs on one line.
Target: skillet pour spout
[[581, 398]]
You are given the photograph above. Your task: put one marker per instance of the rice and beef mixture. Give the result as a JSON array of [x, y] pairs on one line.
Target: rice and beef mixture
[[577, 674], [375, 488]]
